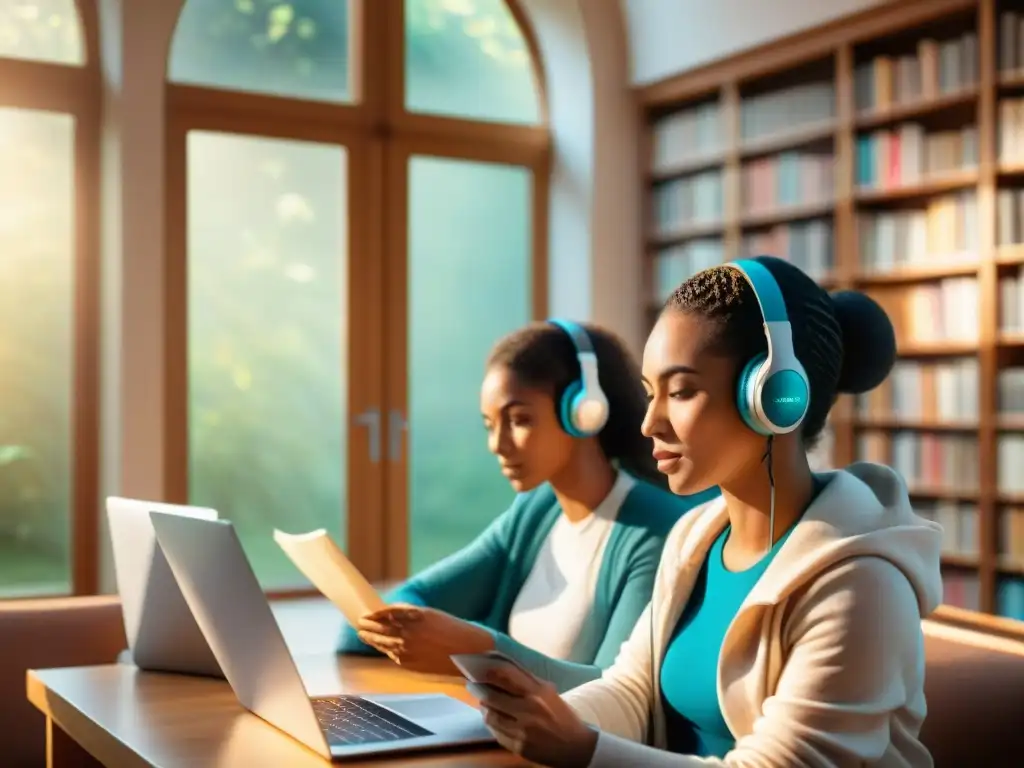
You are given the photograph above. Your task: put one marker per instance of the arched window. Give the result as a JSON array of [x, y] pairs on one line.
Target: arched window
[[49, 105], [358, 198]]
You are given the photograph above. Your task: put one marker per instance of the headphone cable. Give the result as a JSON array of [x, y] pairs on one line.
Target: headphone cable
[[649, 736], [767, 458]]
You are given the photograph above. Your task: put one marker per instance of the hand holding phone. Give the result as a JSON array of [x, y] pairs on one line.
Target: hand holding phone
[[477, 667], [555, 734]]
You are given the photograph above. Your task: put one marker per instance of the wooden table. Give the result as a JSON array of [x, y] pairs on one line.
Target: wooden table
[[116, 715]]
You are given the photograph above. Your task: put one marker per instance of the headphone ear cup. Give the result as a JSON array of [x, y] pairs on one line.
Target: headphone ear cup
[[566, 408], [745, 394], [591, 413]]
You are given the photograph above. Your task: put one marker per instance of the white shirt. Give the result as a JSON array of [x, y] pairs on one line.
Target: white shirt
[[556, 599]]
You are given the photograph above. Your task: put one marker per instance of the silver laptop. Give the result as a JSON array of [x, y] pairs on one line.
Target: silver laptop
[[218, 582], [162, 634]]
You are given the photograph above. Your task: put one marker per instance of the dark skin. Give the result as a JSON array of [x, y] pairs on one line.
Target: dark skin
[[524, 435], [700, 441], [696, 426]]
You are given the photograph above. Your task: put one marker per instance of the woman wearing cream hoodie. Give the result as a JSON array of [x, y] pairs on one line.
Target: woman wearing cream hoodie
[[785, 625]]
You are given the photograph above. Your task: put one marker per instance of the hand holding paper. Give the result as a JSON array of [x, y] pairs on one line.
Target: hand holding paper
[[321, 561], [422, 639]]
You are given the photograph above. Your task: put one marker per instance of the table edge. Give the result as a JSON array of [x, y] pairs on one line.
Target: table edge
[[91, 736]]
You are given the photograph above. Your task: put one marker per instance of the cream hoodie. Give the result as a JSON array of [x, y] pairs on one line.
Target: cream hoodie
[[823, 665]]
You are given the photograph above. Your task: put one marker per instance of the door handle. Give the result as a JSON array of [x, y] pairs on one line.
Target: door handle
[[396, 426], [370, 418]]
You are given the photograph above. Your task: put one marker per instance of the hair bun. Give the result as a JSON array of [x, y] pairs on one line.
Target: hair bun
[[869, 342]]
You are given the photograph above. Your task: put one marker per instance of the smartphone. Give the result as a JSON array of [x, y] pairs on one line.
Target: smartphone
[[475, 666]]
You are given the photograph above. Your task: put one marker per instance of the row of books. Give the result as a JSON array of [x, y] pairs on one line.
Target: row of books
[[904, 155], [1011, 41], [787, 179], [945, 230], [687, 135], [1010, 597], [1011, 301], [937, 68], [908, 155], [926, 460], [1010, 216], [1010, 132], [808, 244], [917, 390], [1010, 384], [1011, 537], [959, 523], [679, 262], [946, 310], [961, 589], [687, 201], [932, 461], [1010, 460], [944, 392], [785, 110]]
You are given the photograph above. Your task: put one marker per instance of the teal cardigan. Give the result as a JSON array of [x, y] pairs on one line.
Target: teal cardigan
[[480, 582]]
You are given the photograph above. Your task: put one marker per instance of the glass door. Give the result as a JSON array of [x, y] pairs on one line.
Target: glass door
[[282, 407], [461, 275]]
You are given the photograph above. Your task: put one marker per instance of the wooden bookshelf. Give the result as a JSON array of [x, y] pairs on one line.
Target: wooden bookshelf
[[885, 153]]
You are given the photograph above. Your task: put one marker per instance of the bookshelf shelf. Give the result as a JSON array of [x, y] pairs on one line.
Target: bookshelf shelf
[[937, 349], [690, 232], [1009, 255], [686, 167], [928, 188], [1013, 79], [1011, 567], [948, 494], [960, 561], [789, 140], [787, 214], [917, 273], [920, 425], [925, 108], [883, 152]]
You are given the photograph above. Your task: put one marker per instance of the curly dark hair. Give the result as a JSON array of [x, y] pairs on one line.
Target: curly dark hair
[[542, 356], [845, 341]]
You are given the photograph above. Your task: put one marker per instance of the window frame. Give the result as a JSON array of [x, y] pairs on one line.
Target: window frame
[[76, 90], [381, 135]]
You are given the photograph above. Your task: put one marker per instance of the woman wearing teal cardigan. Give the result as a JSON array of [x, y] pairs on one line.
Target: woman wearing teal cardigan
[[557, 581]]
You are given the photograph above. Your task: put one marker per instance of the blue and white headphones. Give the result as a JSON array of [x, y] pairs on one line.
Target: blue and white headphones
[[773, 393], [583, 407]]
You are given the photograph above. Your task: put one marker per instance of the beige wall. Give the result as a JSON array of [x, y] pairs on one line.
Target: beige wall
[[667, 37]]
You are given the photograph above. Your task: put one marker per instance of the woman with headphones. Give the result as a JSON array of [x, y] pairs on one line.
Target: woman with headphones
[[556, 582], [785, 624]]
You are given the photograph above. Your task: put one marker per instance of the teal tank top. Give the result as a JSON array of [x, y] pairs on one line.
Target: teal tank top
[[689, 672]]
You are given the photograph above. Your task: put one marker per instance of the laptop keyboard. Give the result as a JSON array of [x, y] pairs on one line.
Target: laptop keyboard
[[354, 720]]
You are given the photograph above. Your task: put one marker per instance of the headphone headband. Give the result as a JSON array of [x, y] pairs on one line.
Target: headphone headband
[[773, 392], [769, 297], [580, 338]]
